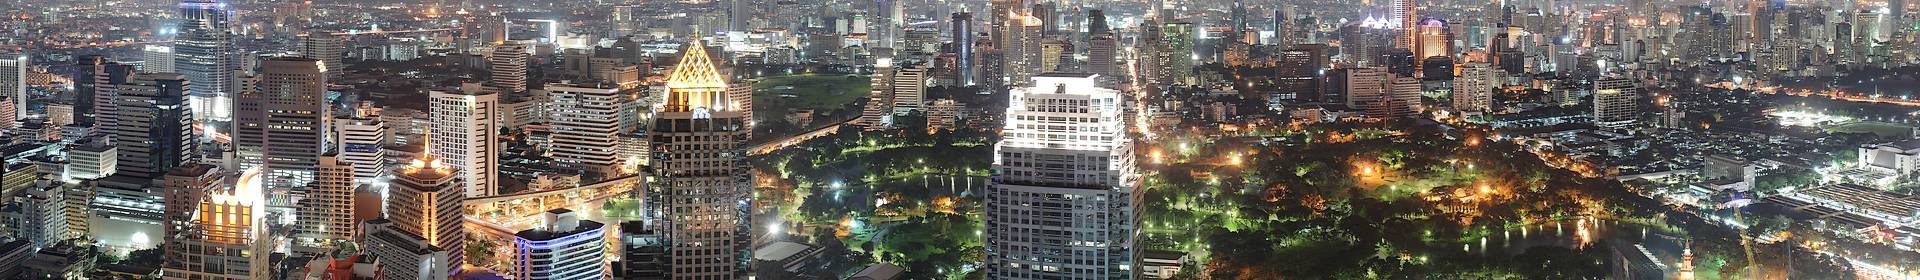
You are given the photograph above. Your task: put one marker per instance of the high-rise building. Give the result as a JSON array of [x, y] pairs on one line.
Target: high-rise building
[[204, 52], [1473, 90], [13, 83], [466, 135], [1404, 19], [180, 190], [1401, 100], [157, 59], [327, 47], [94, 83], [564, 247], [363, 143], [1180, 55], [740, 98], [963, 39], [154, 131], [325, 216], [1046, 221], [1615, 103], [402, 255], [1021, 50], [424, 201], [507, 67], [584, 127], [41, 216], [289, 125], [1432, 38], [226, 236], [700, 180], [1097, 22], [643, 252], [909, 89], [1102, 48], [878, 113], [1362, 84]]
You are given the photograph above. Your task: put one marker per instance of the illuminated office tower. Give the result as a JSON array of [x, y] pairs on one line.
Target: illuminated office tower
[[1614, 103], [701, 183], [1065, 200], [1404, 19], [327, 47], [204, 52], [1180, 55], [363, 142], [13, 83], [584, 127], [1021, 51], [1432, 39], [424, 200], [402, 255], [878, 113], [466, 135], [507, 67], [157, 59], [154, 125], [326, 214], [227, 235], [963, 38], [286, 119], [1473, 91], [563, 247], [909, 89], [740, 98]]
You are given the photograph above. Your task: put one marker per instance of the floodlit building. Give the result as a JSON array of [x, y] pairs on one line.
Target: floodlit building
[[564, 247], [1615, 103], [362, 142], [227, 236], [466, 136], [326, 214], [700, 178], [1064, 202], [425, 200]]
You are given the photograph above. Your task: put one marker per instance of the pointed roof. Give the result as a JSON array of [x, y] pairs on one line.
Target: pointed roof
[[696, 69]]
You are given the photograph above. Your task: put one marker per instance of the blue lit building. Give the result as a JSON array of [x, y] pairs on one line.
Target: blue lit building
[[563, 248]]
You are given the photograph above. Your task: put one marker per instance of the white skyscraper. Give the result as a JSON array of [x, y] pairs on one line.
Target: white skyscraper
[[1473, 91], [363, 142], [909, 89], [1065, 199], [327, 47], [584, 127], [159, 59], [466, 135], [1614, 103]]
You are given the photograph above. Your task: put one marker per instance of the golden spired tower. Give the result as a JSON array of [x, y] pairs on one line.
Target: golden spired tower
[[701, 181]]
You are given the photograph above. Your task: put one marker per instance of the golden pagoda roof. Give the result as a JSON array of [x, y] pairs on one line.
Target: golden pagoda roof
[[696, 69]]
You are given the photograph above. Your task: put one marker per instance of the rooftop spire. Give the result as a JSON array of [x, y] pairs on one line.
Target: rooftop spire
[[695, 83]]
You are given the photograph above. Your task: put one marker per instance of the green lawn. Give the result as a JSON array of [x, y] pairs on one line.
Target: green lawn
[[1879, 128], [817, 92]]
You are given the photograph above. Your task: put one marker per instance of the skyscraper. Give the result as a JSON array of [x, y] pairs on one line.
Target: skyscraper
[[326, 47], [963, 39], [325, 216], [157, 59], [584, 128], [878, 112], [424, 201], [1066, 197], [1473, 91], [909, 89], [227, 236], [466, 135], [95, 84], [1180, 55], [293, 119], [507, 68], [1021, 50], [13, 83], [1615, 103], [1101, 51], [204, 52], [402, 255], [701, 183], [363, 143], [154, 128]]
